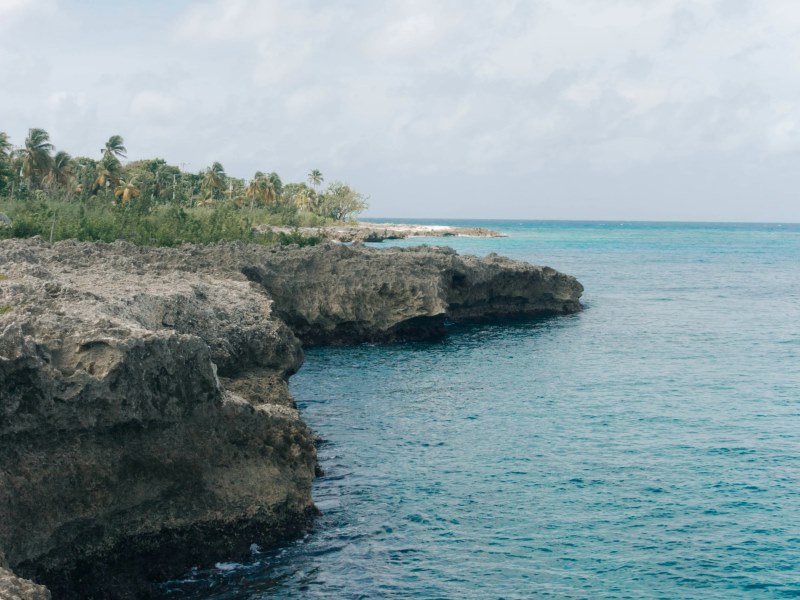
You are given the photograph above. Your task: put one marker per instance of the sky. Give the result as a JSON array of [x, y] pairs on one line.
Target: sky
[[680, 110]]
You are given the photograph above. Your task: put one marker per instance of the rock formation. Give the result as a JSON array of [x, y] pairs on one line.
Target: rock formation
[[145, 421], [346, 294]]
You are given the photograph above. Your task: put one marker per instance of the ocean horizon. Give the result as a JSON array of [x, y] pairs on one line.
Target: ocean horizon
[[460, 222]]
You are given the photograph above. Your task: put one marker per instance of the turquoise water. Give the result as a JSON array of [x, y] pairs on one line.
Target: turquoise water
[[648, 447]]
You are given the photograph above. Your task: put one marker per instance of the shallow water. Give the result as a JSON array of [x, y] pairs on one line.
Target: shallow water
[[648, 447]]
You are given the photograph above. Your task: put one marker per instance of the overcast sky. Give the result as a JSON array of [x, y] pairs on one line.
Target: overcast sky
[[530, 109]]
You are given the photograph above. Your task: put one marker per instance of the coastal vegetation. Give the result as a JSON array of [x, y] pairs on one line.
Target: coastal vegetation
[[50, 193]]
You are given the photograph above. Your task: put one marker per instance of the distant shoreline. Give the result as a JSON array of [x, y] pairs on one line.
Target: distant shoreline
[[506, 221], [378, 232]]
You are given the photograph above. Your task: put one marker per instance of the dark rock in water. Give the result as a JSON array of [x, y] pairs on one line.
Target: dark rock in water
[[145, 420]]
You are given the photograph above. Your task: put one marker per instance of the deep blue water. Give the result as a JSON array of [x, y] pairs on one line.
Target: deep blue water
[[648, 447]]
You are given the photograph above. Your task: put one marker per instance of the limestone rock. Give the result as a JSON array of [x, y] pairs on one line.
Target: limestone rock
[[16, 588], [145, 420], [122, 458], [341, 294]]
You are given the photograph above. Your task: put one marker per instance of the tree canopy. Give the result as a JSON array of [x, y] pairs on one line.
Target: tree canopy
[[36, 171]]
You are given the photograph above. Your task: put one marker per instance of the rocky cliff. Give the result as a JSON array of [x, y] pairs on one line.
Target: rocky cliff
[[343, 294], [145, 420]]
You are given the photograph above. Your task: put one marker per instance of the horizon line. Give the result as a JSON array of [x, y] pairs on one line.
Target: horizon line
[[621, 221]]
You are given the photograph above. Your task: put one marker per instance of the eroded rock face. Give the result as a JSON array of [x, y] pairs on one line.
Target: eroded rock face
[[123, 459], [145, 421], [344, 294]]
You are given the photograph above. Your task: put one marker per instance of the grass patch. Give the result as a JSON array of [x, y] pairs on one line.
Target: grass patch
[[5, 308], [3, 277], [142, 223]]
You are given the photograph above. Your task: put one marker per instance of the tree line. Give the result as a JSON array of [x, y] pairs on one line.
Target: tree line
[[37, 171]]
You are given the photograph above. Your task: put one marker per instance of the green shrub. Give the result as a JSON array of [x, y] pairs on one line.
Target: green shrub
[[295, 237], [142, 222]]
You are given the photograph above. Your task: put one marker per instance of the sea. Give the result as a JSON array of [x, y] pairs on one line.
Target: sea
[[648, 447]]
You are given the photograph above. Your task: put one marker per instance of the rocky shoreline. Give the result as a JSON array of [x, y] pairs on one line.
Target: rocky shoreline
[[379, 232], [146, 424]]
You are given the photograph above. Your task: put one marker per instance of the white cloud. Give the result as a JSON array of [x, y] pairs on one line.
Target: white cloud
[[152, 103], [409, 35], [437, 88], [14, 8], [70, 101]]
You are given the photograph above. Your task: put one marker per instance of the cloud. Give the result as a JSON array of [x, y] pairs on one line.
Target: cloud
[[151, 103], [15, 13], [622, 59], [447, 89], [67, 101], [410, 35], [15, 8]]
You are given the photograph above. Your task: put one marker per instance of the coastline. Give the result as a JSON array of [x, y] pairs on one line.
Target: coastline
[[158, 377], [378, 232]]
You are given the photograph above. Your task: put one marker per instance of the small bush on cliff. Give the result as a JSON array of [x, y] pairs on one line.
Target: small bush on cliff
[[295, 237]]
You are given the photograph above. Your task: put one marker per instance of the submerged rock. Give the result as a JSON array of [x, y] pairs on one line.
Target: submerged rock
[[145, 420]]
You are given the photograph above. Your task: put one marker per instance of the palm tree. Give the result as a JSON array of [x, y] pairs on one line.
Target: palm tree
[[305, 199], [276, 185], [163, 179], [115, 146], [127, 191], [315, 178], [35, 155], [107, 172], [256, 188], [60, 170], [5, 146], [271, 190], [85, 171], [5, 160], [213, 180]]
